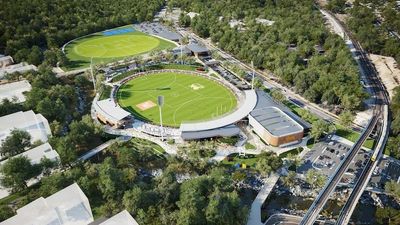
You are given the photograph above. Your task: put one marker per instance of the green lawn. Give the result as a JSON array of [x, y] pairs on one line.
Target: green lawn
[[187, 98], [157, 67], [110, 48], [249, 159]]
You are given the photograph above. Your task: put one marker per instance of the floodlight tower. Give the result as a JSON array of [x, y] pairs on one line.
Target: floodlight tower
[[91, 72], [252, 79], [160, 101]]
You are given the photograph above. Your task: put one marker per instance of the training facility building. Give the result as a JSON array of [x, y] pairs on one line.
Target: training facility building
[[70, 206], [274, 123], [109, 112], [35, 124]]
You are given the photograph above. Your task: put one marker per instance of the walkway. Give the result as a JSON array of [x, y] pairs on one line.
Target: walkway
[[101, 147], [255, 211], [170, 149]]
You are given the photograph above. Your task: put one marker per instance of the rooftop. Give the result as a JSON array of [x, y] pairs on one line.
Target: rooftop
[[16, 89], [35, 124], [196, 48], [246, 107], [111, 110], [39, 152], [122, 218], [276, 121], [69, 206], [276, 118], [20, 67]]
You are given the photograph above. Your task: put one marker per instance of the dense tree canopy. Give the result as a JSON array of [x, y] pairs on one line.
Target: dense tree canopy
[[17, 142], [372, 29], [30, 27], [288, 47]]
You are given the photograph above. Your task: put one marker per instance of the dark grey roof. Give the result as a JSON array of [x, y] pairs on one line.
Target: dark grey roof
[[196, 48], [170, 35], [227, 131], [275, 117]]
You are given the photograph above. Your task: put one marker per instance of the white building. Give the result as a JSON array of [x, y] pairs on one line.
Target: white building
[[122, 218], [70, 206], [20, 68], [36, 154], [109, 112], [6, 61], [35, 124], [15, 90]]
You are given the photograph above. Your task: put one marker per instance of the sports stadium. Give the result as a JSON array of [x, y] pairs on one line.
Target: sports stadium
[[196, 104], [112, 45]]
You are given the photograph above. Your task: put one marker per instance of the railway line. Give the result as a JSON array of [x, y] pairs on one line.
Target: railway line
[[381, 118]]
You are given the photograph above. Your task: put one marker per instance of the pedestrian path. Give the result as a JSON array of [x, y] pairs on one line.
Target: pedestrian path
[[255, 211]]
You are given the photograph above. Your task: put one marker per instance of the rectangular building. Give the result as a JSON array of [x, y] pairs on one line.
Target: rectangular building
[[274, 124], [35, 124]]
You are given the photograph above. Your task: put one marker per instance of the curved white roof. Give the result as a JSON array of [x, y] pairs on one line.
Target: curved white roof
[[244, 110], [109, 109]]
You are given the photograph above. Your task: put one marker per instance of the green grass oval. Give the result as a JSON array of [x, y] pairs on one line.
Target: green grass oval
[[187, 98], [116, 46]]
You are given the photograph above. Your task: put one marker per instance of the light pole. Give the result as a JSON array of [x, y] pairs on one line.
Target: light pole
[[160, 101], [91, 72], [252, 79]]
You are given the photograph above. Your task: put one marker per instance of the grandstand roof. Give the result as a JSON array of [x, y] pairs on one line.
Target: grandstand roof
[[245, 108], [170, 35], [16, 89], [196, 48], [227, 131], [109, 109]]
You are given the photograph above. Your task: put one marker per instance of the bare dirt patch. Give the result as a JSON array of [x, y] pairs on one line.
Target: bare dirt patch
[[146, 105], [388, 70], [196, 86]]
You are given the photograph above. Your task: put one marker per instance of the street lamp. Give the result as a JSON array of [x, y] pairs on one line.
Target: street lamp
[[160, 101]]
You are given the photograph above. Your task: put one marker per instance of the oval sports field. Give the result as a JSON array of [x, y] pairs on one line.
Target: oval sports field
[[187, 98], [111, 45]]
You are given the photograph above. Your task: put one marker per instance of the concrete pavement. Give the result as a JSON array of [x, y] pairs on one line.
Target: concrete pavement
[[255, 211]]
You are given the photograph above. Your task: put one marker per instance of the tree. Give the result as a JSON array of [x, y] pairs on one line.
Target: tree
[[268, 162], [133, 200], [278, 96], [17, 142], [318, 129], [393, 189], [387, 216], [315, 179], [225, 209], [290, 179], [5, 212], [110, 180], [65, 148], [35, 56], [16, 171], [346, 119]]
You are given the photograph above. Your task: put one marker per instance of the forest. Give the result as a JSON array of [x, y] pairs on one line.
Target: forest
[[35, 30], [297, 47], [375, 30]]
